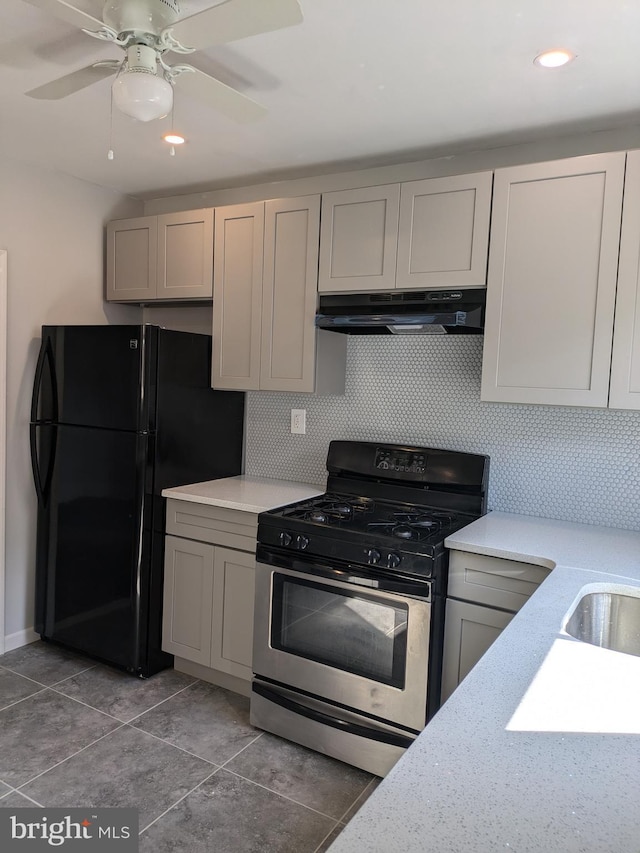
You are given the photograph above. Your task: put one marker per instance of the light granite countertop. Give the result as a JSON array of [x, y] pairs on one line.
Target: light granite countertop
[[251, 494], [538, 749]]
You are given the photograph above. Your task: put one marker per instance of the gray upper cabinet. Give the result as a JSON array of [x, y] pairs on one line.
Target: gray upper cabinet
[[161, 258], [265, 292], [430, 233], [552, 281], [443, 233], [237, 296], [358, 240], [624, 392], [132, 259]]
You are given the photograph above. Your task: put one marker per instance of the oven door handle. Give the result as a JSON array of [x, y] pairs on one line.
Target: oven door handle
[[345, 573], [328, 720]]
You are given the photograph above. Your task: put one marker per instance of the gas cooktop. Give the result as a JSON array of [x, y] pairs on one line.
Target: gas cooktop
[[387, 507], [406, 522]]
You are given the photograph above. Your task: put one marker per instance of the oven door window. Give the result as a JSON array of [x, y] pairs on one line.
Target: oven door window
[[348, 630]]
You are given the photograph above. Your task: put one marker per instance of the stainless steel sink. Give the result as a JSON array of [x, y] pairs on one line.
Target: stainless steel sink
[[607, 619]]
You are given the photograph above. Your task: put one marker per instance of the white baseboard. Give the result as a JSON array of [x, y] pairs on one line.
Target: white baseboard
[[20, 638]]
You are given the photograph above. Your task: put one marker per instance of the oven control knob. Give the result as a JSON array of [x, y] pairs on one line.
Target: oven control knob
[[393, 560], [301, 542], [285, 538], [372, 556]]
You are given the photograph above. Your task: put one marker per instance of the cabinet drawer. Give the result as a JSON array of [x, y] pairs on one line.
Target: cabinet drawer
[[507, 584], [232, 528]]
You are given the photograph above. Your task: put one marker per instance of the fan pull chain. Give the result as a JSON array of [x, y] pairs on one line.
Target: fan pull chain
[[110, 154], [172, 150]]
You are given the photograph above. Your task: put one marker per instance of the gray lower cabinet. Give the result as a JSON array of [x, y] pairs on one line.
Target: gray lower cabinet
[[484, 594], [469, 630], [209, 588]]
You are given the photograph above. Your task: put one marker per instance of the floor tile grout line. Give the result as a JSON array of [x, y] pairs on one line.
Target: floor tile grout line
[[86, 705], [75, 674], [24, 699], [361, 794], [195, 754], [175, 746], [58, 763], [15, 672], [27, 797], [161, 702], [118, 719], [26, 677], [177, 802], [337, 823], [242, 749], [284, 796], [238, 775]]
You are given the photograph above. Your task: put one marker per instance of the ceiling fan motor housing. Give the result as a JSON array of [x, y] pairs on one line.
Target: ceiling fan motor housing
[[144, 16]]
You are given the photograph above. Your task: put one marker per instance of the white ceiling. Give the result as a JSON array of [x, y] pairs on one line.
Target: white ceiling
[[359, 83]]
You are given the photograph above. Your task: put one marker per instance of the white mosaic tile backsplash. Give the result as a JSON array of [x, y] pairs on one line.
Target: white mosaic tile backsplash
[[555, 462]]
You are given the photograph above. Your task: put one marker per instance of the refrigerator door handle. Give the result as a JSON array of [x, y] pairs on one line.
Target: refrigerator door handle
[[35, 464], [45, 359], [42, 487]]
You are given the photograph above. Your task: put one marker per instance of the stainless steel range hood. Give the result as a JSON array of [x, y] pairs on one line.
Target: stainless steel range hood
[[424, 312]]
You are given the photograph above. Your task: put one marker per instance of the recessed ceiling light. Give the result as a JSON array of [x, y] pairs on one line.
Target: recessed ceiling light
[[173, 138], [554, 58]]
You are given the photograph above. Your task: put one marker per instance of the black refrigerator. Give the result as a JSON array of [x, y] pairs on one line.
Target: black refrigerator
[[118, 414]]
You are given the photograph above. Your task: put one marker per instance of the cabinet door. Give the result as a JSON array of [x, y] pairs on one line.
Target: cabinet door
[[132, 259], [552, 279], [237, 296], [289, 294], [188, 599], [494, 581], [469, 630], [233, 595], [625, 365], [444, 231], [185, 255], [358, 239]]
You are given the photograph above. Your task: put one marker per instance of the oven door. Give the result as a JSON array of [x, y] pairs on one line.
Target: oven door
[[340, 637]]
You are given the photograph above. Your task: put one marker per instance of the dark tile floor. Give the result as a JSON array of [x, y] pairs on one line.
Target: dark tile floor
[[74, 733]]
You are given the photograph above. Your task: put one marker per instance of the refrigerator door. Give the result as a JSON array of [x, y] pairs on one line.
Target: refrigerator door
[[94, 528], [95, 376]]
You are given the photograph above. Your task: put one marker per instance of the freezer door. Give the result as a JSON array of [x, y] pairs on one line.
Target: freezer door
[[94, 532], [95, 376]]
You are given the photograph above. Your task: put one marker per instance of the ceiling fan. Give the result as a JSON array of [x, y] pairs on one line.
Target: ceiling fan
[[149, 29]]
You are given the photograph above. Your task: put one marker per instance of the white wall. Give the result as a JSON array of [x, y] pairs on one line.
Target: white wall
[[52, 226]]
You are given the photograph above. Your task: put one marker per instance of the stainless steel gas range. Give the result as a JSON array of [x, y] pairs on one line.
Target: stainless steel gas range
[[350, 600]]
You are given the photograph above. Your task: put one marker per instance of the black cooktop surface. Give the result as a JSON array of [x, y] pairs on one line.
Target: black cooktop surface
[[365, 516]]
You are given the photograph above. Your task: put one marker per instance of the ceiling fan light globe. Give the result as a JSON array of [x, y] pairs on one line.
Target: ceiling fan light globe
[[142, 95]]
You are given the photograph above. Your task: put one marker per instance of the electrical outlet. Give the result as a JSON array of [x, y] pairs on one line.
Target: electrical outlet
[[299, 421]]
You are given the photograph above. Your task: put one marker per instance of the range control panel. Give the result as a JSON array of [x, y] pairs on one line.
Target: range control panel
[[404, 461]]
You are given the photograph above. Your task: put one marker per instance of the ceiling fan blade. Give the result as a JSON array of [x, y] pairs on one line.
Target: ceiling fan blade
[[66, 12], [220, 97], [75, 81], [236, 19]]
